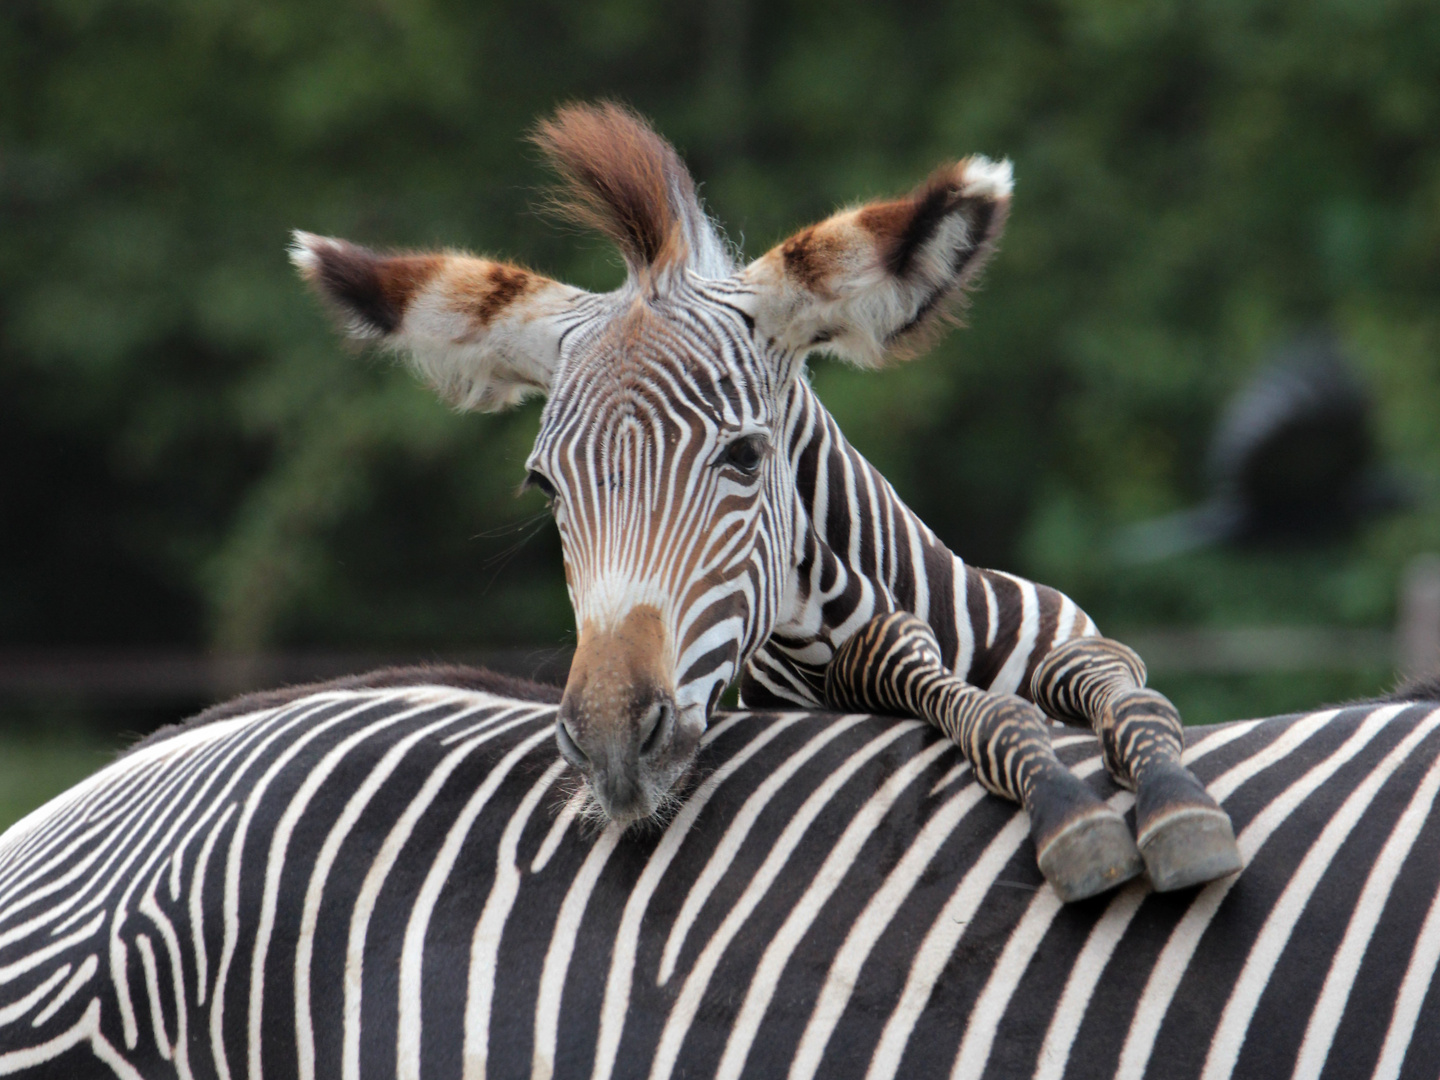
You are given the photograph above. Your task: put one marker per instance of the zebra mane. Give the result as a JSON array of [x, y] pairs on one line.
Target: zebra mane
[[623, 180], [460, 676], [1420, 688]]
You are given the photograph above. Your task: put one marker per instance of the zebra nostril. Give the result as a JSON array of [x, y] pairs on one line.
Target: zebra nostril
[[569, 748], [656, 727]]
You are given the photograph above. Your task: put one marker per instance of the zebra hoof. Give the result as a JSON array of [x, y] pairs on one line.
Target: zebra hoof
[[1189, 846], [1090, 855]]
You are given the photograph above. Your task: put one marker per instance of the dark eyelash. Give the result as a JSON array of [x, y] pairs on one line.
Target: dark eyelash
[[540, 482]]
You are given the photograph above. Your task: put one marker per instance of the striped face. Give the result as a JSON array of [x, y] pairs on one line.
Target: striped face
[[664, 447], [658, 451]]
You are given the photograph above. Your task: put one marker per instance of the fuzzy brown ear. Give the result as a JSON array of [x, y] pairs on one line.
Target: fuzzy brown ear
[[484, 334], [867, 283]]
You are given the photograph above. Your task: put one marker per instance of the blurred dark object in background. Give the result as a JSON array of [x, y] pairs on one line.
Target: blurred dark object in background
[[1294, 461]]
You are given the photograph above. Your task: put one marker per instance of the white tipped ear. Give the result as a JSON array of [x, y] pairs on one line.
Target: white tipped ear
[[484, 334], [866, 284]]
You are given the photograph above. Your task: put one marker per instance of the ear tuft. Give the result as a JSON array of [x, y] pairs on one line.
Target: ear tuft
[[622, 179], [954, 210], [370, 292], [981, 178], [302, 252]]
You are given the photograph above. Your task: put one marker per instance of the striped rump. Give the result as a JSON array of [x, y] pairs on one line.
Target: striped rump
[[394, 880]]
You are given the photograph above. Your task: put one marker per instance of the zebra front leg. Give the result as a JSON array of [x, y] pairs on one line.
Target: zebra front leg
[[1183, 835], [893, 664]]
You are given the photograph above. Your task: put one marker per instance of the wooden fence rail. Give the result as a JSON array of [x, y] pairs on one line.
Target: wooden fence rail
[[156, 676]]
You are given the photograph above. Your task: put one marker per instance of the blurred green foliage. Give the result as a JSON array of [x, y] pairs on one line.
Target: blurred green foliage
[[35, 767], [191, 457]]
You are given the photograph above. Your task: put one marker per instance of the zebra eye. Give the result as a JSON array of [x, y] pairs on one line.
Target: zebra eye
[[538, 480], [745, 454]]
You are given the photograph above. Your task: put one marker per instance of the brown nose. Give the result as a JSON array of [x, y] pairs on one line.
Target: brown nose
[[617, 719]]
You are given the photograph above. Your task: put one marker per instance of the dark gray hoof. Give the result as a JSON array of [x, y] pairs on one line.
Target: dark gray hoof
[[1090, 855], [1189, 846]]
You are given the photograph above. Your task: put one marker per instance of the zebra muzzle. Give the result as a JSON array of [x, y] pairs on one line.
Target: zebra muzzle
[[619, 722], [629, 766]]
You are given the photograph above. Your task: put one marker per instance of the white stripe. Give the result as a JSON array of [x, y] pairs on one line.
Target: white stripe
[[325, 861], [562, 945], [79, 979], [992, 613], [279, 849], [940, 941], [1065, 619], [1170, 966], [723, 855], [231, 901], [412, 953], [1006, 973], [151, 910], [827, 879], [627, 936], [86, 1028], [1419, 976], [30, 961], [955, 773], [1320, 1032], [1100, 944], [180, 798], [1007, 680], [843, 976], [114, 850], [177, 857], [1025, 938], [485, 943], [134, 761], [567, 926], [363, 908], [1084, 975], [912, 527], [1268, 947], [947, 929], [964, 632], [16, 1009], [563, 821], [197, 909], [76, 839], [152, 992]]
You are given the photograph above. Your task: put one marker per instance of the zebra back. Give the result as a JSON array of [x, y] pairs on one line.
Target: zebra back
[[397, 881]]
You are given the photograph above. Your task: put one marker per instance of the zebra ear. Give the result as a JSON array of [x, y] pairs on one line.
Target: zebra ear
[[867, 283], [485, 335]]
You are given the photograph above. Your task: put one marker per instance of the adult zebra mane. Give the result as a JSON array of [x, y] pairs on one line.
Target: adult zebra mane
[[623, 180], [1422, 688], [460, 676]]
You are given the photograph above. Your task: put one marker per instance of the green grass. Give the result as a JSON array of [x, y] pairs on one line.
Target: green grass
[[36, 768]]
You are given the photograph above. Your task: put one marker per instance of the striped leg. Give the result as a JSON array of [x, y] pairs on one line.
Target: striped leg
[[893, 664], [1184, 836]]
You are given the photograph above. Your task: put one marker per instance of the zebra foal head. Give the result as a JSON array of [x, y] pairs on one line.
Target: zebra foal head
[[663, 446]]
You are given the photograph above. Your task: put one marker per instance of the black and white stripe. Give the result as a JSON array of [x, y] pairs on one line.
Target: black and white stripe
[[861, 552], [395, 882]]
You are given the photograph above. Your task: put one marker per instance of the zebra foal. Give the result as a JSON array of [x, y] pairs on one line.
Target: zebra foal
[[386, 878], [717, 525]]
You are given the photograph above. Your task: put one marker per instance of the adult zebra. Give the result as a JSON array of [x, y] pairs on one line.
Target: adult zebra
[[717, 525], [385, 878]]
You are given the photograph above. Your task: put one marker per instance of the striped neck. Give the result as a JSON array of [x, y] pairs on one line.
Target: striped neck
[[856, 548], [859, 551]]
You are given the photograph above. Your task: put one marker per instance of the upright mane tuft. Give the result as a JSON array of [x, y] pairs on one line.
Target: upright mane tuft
[[624, 180]]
